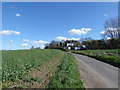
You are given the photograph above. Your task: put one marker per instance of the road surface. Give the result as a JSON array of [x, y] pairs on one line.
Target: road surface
[[96, 74]]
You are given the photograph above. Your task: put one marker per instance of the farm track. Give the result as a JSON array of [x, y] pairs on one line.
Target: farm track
[[44, 72]]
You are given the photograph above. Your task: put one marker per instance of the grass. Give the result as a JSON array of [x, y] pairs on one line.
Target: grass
[[36, 68], [108, 56], [68, 75]]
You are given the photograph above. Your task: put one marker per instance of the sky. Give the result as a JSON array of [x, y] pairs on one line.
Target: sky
[[36, 23]]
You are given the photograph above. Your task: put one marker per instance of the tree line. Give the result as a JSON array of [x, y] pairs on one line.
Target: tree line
[[110, 38]]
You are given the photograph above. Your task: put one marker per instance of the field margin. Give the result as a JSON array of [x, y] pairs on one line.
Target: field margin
[[68, 75], [114, 61]]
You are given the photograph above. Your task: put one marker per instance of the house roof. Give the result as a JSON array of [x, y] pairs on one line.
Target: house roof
[[72, 41]]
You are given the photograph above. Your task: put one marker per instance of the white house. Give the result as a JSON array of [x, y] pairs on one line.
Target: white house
[[72, 45]]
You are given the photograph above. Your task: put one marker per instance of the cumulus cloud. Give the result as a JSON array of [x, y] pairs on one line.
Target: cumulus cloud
[[9, 32], [42, 42], [38, 42], [59, 38], [35, 42], [103, 32], [81, 31], [86, 29], [24, 45], [76, 39], [42, 46], [18, 15]]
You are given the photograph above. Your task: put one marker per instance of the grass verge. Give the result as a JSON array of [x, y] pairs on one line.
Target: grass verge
[[68, 75], [112, 60]]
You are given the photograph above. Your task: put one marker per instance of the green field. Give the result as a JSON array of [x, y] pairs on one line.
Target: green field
[[35, 68], [111, 56], [110, 52]]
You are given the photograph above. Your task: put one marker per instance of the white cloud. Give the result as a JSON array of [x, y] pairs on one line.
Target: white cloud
[[42, 42], [35, 42], [38, 42], [18, 15], [103, 32], [24, 45], [9, 32], [76, 32], [59, 38], [86, 29], [76, 39], [42, 46], [81, 31]]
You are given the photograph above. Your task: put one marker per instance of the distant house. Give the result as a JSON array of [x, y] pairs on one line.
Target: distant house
[[72, 45]]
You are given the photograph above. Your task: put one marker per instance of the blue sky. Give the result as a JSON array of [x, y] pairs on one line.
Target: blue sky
[[31, 23]]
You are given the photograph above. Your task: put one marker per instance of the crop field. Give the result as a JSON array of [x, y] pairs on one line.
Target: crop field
[[111, 52], [111, 56], [38, 69]]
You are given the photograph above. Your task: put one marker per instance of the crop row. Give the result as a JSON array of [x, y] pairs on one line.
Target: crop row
[[15, 64]]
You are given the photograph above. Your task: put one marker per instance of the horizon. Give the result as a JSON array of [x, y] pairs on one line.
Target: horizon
[[27, 24]]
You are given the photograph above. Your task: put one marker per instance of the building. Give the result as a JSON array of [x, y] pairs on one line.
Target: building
[[72, 45]]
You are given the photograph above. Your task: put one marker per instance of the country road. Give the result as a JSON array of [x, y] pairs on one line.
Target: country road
[[96, 74]]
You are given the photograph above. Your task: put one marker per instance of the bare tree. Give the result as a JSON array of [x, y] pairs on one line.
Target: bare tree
[[112, 28], [112, 32], [53, 45]]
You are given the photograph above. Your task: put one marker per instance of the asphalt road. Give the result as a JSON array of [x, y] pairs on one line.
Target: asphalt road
[[97, 74]]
